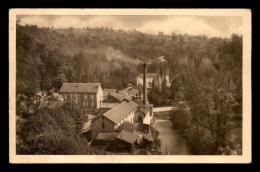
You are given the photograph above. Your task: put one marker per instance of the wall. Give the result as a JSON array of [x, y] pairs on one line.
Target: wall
[[109, 125], [149, 81], [129, 117], [136, 116], [96, 126], [85, 100], [99, 97]]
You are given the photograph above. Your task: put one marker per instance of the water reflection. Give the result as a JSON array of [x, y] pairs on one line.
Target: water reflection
[[172, 141]]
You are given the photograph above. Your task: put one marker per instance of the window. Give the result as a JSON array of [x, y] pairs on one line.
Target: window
[[103, 125], [91, 96], [86, 103], [92, 104], [85, 96], [65, 96]]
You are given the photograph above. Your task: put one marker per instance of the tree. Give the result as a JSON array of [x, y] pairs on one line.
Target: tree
[[174, 90], [181, 119], [50, 132]]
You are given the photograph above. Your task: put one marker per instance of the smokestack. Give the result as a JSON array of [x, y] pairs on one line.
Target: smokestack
[[144, 86]]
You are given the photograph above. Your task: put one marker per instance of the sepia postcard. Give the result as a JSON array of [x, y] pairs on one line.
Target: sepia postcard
[[130, 86]]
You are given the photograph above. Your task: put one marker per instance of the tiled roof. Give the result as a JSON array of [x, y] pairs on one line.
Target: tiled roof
[[120, 111], [80, 87], [127, 126], [127, 136], [52, 104], [131, 90], [118, 96], [107, 136]]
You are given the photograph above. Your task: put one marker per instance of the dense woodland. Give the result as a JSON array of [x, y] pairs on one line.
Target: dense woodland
[[205, 72]]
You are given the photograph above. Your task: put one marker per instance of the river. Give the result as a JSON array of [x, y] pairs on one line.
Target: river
[[172, 141]]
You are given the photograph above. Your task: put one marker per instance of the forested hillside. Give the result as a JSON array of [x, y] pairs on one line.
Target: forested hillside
[[97, 55], [205, 72]]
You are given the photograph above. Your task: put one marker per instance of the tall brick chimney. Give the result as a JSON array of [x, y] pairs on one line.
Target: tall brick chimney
[[144, 86]]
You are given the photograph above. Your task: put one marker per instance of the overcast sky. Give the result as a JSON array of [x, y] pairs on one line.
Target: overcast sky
[[194, 25]]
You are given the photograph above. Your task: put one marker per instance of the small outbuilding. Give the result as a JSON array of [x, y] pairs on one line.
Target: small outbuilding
[[126, 141], [105, 138]]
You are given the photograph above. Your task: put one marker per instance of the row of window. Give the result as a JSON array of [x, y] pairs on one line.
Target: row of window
[[73, 96], [126, 118], [92, 104]]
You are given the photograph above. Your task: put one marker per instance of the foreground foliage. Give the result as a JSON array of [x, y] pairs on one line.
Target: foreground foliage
[[51, 131]]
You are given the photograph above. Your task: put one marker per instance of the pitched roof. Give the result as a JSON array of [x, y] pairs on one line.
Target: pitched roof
[[139, 87], [80, 87], [120, 111], [107, 91], [149, 75], [52, 104], [123, 90], [144, 109], [127, 136], [134, 91], [107, 136], [127, 126], [118, 96]]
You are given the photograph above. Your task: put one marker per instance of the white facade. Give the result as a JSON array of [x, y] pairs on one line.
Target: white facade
[[149, 81], [99, 97], [129, 117]]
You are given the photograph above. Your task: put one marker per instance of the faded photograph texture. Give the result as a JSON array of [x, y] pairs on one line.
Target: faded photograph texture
[[128, 85]]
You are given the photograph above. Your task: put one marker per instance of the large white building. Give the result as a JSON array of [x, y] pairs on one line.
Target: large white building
[[150, 78], [89, 96], [127, 111], [110, 120]]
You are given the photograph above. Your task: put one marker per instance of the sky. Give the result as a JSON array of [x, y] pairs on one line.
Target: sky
[[211, 26]]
